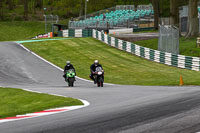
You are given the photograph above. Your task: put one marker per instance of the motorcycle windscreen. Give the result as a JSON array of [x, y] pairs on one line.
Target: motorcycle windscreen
[[99, 69]]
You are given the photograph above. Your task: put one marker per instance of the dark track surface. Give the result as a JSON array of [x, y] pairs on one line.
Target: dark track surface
[[137, 36], [114, 108]]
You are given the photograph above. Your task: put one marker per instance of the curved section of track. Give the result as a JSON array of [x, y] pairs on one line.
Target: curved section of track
[[114, 108]]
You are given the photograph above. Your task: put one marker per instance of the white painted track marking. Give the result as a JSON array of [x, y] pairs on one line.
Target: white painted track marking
[[45, 112], [55, 65]]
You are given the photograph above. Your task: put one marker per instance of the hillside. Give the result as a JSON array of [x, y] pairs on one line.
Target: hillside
[[120, 67], [20, 30], [65, 9]]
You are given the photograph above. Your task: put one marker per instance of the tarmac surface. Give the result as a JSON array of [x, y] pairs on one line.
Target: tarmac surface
[[131, 37], [113, 108]]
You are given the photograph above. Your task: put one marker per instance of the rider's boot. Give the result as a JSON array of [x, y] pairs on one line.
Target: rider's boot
[[95, 81]]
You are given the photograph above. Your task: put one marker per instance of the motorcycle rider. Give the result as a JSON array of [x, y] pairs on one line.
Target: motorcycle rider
[[93, 69], [67, 67]]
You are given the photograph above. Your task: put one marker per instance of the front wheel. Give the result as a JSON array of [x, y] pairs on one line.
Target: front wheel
[[70, 82], [100, 82]]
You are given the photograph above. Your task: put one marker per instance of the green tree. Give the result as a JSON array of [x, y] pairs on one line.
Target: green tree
[[193, 23], [25, 9], [39, 4], [156, 8], [174, 12], [1, 9], [10, 4]]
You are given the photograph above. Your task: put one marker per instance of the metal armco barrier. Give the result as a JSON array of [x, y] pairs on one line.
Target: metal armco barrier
[[77, 33], [181, 61]]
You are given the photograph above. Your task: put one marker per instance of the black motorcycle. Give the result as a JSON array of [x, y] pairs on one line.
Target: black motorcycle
[[99, 76]]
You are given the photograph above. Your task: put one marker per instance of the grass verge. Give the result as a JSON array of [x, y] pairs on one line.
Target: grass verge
[[145, 31], [16, 101], [19, 30], [120, 67], [187, 46]]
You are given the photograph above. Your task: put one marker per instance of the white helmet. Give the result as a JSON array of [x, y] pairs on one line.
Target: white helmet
[[68, 62], [96, 62]]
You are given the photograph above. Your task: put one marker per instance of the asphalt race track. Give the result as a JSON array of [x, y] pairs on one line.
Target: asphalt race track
[[114, 108], [131, 37]]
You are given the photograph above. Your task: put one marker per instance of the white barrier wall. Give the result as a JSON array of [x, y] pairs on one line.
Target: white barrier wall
[[65, 33], [181, 61], [78, 33], [118, 31]]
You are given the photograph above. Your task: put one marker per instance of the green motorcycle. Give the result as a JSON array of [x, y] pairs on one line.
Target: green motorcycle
[[70, 77]]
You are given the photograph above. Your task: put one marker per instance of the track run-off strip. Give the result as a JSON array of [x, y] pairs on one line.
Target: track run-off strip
[[45, 112], [55, 65], [41, 40], [49, 111]]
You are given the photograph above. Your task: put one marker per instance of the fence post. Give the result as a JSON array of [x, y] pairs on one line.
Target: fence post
[[45, 19]]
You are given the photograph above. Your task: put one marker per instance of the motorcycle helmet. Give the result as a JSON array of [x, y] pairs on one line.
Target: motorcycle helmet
[[68, 63], [96, 62]]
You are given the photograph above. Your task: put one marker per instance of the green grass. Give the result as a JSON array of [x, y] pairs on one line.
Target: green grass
[[146, 31], [120, 67], [187, 46], [137, 32], [152, 43], [16, 101], [19, 30]]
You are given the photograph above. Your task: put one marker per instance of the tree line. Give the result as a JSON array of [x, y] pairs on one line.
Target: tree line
[[193, 22], [26, 9], [62, 8]]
